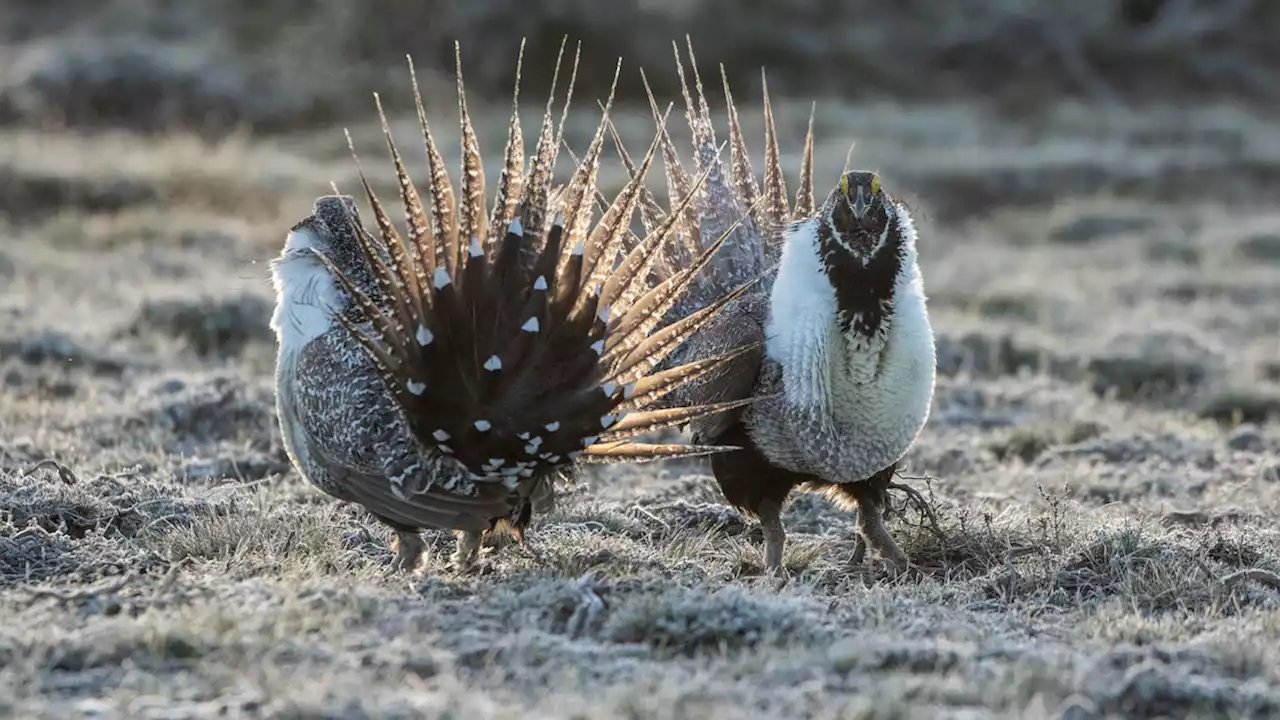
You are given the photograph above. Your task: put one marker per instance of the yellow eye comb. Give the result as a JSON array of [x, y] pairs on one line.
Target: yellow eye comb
[[844, 184], [875, 184]]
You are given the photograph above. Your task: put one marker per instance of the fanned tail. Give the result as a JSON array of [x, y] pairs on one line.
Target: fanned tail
[[727, 204], [443, 211], [722, 206], [517, 345], [651, 213]]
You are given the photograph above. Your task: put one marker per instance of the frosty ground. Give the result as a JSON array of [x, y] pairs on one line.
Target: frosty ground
[[1102, 455]]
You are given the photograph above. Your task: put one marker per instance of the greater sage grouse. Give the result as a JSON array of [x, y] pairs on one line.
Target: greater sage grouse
[[834, 342], [446, 378]]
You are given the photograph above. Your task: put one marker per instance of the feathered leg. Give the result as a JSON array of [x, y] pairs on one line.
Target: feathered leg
[[407, 544], [517, 533], [860, 545]]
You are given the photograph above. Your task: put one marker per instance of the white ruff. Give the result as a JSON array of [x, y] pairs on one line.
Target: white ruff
[[306, 297], [802, 311], [306, 294], [854, 405]]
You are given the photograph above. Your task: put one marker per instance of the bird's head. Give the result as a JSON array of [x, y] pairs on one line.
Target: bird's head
[[331, 230], [327, 229], [860, 214], [866, 244]]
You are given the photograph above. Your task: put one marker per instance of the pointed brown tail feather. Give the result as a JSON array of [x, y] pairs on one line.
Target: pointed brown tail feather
[[754, 250], [775, 183], [511, 357], [805, 204], [616, 452]]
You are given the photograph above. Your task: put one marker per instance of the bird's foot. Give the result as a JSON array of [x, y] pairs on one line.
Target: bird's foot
[[897, 565], [777, 578], [466, 554], [872, 533], [463, 563], [409, 548], [531, 550], [859, 551]]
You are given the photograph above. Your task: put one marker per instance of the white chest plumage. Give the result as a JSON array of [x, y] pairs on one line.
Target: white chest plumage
[[850, 406], [306, 295], [306, 298]]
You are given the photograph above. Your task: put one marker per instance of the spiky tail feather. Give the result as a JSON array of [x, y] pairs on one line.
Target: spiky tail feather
[[701, 212], [518, 355], [755, 246]]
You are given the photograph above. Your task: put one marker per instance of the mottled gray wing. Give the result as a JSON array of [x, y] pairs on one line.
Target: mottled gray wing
[[741, 324], [359, 440]]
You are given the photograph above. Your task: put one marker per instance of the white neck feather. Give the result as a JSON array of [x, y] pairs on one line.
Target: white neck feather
[[802, 318], [306, 294], [820, 366]]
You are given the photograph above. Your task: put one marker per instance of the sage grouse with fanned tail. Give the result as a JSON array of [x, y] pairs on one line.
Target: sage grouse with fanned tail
[[445, 378], [835, 342]]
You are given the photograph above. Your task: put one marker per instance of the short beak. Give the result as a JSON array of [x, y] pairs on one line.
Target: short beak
[[860, 204]]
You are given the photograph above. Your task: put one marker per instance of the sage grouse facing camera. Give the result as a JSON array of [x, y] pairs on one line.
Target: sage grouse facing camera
[[446, 379], [837, 346]]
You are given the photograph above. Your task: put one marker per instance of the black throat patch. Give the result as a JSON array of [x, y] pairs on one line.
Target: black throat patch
[[864, 293]]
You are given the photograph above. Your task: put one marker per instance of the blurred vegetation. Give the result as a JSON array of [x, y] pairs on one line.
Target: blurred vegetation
[[286, 63]]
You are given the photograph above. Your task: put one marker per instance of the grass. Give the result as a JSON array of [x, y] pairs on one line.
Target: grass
[[1102, 455]]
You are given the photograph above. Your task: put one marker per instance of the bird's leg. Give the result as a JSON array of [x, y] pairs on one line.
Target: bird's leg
[[467, 549], [875, 534], [409, 547], [775, 537], [872, 497], [859, 544], [859, 548]]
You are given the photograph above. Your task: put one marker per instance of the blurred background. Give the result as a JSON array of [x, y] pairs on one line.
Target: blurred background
[[276, 65], [960, 94]]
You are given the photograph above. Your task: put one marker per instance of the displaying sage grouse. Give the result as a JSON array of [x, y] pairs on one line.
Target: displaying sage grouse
[[446, 378], [835, 340]]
